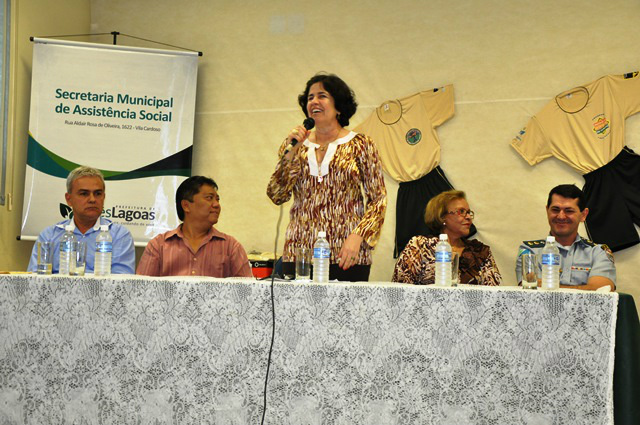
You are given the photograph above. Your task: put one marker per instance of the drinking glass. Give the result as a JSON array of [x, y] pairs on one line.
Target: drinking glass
[[80, 251], [303, 264], [455, 275], [45, 257], [529, 271]]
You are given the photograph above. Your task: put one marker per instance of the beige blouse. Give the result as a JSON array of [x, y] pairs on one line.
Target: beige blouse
[[342, 195]]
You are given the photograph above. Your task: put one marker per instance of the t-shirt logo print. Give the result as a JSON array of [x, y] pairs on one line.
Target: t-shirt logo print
[[601, 126], [413, 136]]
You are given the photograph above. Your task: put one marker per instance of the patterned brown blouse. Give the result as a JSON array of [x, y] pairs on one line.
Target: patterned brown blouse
[[417, 262], [329, 196]]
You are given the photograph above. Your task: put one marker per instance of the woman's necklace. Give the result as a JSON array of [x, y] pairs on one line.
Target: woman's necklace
[[321, 152], [324, 147]]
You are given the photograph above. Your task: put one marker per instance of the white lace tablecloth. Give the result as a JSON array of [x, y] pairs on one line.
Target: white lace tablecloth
[[132, 350]]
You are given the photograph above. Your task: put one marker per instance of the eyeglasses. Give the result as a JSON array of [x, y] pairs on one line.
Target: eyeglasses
[[462, 212]]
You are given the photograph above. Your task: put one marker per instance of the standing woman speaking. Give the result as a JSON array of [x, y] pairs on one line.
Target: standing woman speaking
[[335, 176]]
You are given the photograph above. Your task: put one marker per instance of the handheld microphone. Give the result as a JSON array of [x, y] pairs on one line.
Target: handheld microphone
[[309, 123]]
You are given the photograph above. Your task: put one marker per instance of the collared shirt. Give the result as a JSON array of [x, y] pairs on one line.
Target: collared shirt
[[578, 262], [123, 258], [219, 255]]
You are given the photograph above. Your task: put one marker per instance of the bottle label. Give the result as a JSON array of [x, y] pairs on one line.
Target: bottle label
[[66, 246], [104, 246], [443, 257], [550, 259], [321, 253]]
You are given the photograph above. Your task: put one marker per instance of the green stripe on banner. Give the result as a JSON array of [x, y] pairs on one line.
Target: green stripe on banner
[[136, 174], [47, 162]]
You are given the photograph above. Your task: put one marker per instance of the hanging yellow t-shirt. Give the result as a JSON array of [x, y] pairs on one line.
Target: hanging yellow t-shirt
[[584, 126], [404, 131]]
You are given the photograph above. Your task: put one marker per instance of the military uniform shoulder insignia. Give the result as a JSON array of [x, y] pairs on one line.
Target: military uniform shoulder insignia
[[606, 249], [588, 242], [535, 244]]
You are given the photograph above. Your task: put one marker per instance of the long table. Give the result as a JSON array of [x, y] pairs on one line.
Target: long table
[[129, 349]]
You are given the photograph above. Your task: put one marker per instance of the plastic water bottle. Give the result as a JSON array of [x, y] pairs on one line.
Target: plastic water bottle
[[104, 249], [321, 257], [443, 261], [550, 264], [67, 255]]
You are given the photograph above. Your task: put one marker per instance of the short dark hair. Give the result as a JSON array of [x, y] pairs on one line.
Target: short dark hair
[[188, 189], [343, 96], [570, 191]]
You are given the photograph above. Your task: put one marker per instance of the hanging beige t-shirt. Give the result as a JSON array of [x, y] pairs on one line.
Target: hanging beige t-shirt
[[584, 126], [404, 131]]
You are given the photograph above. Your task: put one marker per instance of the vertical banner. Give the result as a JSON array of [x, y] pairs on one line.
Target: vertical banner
[[128, 112]]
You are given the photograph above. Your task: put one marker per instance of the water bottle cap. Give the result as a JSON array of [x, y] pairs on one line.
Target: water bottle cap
[[551, 238], [444, 237], [104, 228], [69, 227], [322, 234]]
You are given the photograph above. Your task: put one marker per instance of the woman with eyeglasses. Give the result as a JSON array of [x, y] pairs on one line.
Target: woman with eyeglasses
[[447, 213]]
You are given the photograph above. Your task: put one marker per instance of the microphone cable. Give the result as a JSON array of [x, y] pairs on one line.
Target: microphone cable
[[273, 317], [308, 123]]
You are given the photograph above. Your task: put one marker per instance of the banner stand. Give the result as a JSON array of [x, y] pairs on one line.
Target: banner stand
[[127, 111], [115, 35]]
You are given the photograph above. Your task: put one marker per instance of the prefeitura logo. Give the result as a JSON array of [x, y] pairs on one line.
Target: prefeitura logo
[[66, 211], [124, 213], [413, 136], [130, 213]]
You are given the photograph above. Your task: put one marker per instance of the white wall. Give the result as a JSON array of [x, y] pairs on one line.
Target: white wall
[[505, 58], [28, 18]]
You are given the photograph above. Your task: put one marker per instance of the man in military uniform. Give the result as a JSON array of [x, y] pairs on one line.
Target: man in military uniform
[[583, 263]]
